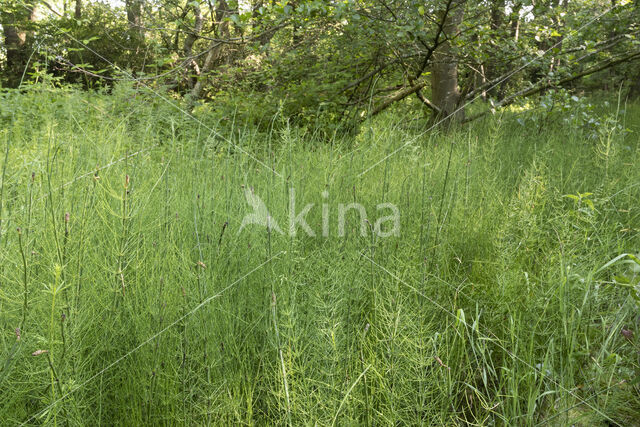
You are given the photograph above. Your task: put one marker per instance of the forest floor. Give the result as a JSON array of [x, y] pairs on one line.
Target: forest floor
[[149, 274]]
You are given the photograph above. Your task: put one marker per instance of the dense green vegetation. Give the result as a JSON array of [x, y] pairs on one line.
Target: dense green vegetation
[[121, 257], [327, 63], [319, 212]]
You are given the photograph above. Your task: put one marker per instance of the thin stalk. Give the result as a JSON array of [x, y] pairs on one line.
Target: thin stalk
[[200, 266], [4, 174], [81, 247], [284, 371], [25, 305], [55, 382], [52, 211], [444, 190], [30, 203], [123, 240]]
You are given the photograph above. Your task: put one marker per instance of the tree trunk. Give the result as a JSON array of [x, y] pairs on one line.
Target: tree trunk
[[191, 38], [215, 53], [514, 33], [515, 21], [444, 77], [634, 91], [15, 42], [134, 16], [78, 11], [496, 22]]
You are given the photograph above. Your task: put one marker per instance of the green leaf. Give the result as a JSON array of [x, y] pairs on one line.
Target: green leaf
[[622, 280], [590, 204], [610, 263], [460, 317]]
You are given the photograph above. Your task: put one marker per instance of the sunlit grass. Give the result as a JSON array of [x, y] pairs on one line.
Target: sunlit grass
[[154, 309]]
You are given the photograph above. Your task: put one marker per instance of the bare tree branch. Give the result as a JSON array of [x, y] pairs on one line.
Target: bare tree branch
[[537, 89]]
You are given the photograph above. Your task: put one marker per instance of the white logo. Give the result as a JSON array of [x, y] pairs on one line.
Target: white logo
[[261, 216]]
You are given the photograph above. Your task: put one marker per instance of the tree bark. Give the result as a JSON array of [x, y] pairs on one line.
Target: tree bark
[[444, 77], [134, 16], [78, 10], [515, 20], [15, 42], [496, 22], [188, 46], [215, 52], [634, 91], [402, 94]]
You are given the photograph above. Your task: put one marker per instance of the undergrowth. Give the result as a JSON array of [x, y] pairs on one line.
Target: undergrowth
[[130, 296]]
